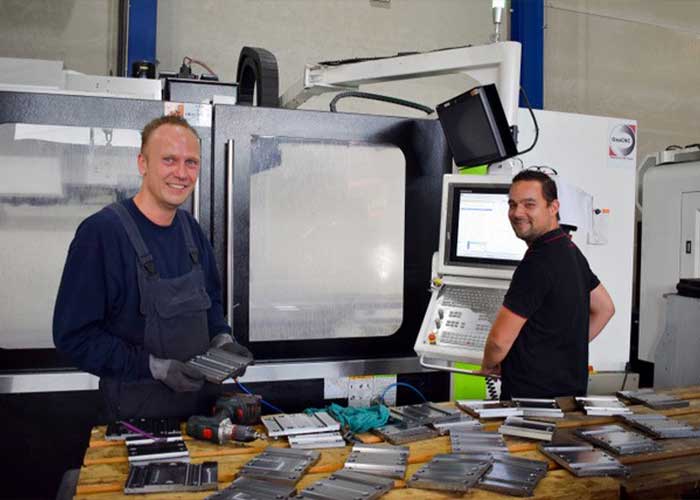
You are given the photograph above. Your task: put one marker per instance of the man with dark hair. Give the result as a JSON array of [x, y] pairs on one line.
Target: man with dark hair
[[554, 307], [140, 292]]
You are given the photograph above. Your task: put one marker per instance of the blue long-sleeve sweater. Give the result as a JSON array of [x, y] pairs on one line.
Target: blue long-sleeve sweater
[[96, 320]]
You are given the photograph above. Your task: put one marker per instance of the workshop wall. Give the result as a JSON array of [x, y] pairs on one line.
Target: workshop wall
[[309, 31], [635, 59], [82, 33]]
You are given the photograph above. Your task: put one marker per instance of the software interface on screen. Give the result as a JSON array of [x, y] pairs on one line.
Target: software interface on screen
[[483, 228]]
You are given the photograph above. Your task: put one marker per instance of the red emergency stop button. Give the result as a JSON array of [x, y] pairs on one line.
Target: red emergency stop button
[[432, 338], [207, 433]]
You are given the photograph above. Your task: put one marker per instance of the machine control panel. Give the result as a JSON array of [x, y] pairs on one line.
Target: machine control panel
[[458, 322]]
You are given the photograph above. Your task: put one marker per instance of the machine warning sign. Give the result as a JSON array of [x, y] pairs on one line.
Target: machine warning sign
[[197, 115]]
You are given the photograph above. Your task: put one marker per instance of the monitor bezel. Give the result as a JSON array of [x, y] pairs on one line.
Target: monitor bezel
[[469, 266]]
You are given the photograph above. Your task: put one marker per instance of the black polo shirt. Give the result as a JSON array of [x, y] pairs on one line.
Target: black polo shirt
[[551, 288]]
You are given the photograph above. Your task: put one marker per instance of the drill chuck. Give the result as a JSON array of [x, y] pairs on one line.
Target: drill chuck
[[220, 431]]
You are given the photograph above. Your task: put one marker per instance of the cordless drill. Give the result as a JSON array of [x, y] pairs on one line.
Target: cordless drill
[[239, 408], [231, 411], [220, 430]]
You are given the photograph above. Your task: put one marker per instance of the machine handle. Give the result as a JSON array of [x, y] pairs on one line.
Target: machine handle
[[195, 201], [229, 231], [453, 369]]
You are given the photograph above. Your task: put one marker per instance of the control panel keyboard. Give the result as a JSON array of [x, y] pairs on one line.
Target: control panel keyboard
[[465, 315], [458, 322]]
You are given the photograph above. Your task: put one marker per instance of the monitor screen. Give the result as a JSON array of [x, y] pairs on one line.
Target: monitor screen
[[480, 231]]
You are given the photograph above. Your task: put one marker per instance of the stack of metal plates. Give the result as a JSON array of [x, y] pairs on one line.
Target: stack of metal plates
[[399, 434], [453, 472], [379, 460], [282, 465], [143, 451], [617, 439], [319, 440], [654, 400], [247, 488], [531, 429], [477, 442], [348, 485], [424, 414], [465, 423], [533, 407], [299, 423], [217, 365], [170, 477], [513, 475], [583, 460], [489, 409], [661, 427], [602, 405]]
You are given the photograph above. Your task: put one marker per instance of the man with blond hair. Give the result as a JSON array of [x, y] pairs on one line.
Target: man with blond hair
[[140, 292]]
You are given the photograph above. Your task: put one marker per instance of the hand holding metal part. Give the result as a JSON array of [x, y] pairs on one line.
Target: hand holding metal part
[[218, 364], [180, 377], [227, 343]]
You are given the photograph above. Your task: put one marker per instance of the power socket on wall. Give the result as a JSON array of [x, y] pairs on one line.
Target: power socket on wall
[[360, 390]]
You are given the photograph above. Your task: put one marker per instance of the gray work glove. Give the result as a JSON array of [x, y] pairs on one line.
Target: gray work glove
[[225, 341], [176, 374]]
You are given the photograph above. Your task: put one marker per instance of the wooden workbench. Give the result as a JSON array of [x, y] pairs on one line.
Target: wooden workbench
[[672, 472]]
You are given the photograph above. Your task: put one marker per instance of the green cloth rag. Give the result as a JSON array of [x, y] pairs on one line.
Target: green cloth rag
[[356, 419]]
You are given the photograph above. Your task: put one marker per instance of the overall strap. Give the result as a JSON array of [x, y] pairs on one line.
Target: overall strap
[[189, 239], [144, 256]]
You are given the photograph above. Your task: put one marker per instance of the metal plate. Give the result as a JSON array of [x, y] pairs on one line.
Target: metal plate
[[171, 476], [489, 409], [533, 407], [320, 440], [602, 405], [453, 472], [248, 488], [348, 485], [513, 475], [217, 365], [617, 439], [653, 399], [464, 423], [282, 465], [299, 423], [171, 451], [381, 460], [477, 442], [532, 429], [158, 427], [397, 434], [661, 427], [583, 460], [424, 414]]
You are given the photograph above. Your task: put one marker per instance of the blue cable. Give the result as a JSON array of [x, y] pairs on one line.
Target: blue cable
[[269, 405], [404, 384]]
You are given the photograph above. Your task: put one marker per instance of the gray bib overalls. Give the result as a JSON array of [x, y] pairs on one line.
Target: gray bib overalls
[[175, 312]]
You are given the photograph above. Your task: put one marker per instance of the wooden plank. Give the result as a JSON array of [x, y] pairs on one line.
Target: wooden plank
[[673, 478]]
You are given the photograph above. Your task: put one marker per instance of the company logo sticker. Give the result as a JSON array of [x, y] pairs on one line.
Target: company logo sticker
[[622, 141]]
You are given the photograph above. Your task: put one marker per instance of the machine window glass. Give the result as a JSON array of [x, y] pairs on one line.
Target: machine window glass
[[53, 177], [326, 239]]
